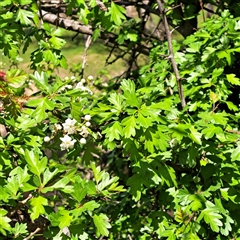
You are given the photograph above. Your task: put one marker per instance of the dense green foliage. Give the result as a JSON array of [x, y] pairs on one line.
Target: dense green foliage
[[86, 159]]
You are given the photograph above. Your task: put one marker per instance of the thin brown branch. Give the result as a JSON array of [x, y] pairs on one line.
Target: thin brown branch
[[171, 54], [167, 10], [84, 57], [76, 26], [203, 15], [32, 234], [26, 199], [101, 5]]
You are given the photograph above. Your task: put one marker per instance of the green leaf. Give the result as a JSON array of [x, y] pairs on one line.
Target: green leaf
[[61, 184], [135, 183], [236, 154], [65, 219], [117, 13], [232, 79], [91, 188], [4, 196], [16, 76], [102, 224], [37, 206], [35, 165], [195, 136], [90, 206], [47, 175], [211, 216], [225, 54], [25, 2], [106, 180], [76, 109], [130, 126], [5, 3], [41, 81], [197, 201], [207, 53], [19, 229], [211, 130], [143, 121], [132, 36], [231, 106], [131, 99], [114, 131], [4, 222], [42, 104], [117, 101], [79, 193], [56, 42], [24, 16]]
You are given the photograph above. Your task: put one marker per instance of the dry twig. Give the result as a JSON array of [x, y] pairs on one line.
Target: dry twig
[[171, 55], [32, 234]]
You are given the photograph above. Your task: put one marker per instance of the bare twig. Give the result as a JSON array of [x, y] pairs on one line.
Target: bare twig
[[174, 29], [171, 56], [84, 57], [167, 10], [26, 199], [203, 15], [32, 234], [209, 10], [101, 5], [41, 15], [215, 107], [129, 236]]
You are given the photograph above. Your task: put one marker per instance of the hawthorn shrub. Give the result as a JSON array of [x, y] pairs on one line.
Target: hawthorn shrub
[[79, 162]]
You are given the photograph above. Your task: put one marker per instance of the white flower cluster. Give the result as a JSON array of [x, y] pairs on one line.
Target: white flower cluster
[[63, 88], [80, 85], [70, 127]]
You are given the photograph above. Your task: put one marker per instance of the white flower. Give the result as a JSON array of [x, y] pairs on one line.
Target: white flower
[[84, 132], [57, 126], [73, 78], [83, 80], [79, 85], [66, 78], [67, 143], [83, 141], [88, 124], [83, 88], [46, 139], [69, 127], [87, 117], [68, 86], [90, 78]]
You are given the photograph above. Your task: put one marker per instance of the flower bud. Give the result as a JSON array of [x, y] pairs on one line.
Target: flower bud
[[83, 141], [87, 117]]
